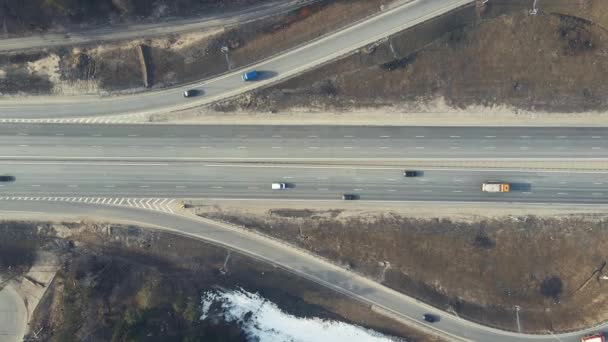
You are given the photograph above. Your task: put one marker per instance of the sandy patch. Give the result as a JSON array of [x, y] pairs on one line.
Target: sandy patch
[[48, 66], [461, 212], [184, 40], [390, 116]]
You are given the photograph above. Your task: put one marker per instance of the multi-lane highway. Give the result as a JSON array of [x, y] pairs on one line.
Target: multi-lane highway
[[179, 180], [313, 143], [281, 66], [203, 161]]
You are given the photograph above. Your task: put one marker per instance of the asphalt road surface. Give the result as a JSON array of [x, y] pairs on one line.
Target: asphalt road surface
[[13, 315], [302, 264], [281, 66], [119, 32], [331, 143], [200, 180]]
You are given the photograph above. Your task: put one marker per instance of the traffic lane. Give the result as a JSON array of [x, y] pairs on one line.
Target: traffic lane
[[289, 63], [243, 181], [304, 131], [303, 264], [280, 148]]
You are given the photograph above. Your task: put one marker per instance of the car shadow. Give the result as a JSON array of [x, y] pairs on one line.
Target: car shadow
[[266, 74], [195, 92]]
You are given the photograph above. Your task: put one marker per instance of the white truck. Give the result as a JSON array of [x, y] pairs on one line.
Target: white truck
[[495, 187]]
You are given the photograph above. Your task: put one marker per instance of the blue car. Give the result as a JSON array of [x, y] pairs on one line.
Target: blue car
[[250, 76]]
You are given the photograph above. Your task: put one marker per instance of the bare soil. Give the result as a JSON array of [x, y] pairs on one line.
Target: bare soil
[[180, 58], [478, 267], [497, 56], [119, 283]]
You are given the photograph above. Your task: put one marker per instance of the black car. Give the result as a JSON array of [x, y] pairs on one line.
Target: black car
[[7, 178], [430, 318], [191, 92], [411, 173], [350, 197]]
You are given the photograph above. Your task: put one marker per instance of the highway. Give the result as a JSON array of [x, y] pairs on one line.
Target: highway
[[303, 264], [304, 143], [285, 65], [131, 31], [200, 180]]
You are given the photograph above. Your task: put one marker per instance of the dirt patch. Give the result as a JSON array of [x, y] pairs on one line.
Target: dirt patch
[[480, 268], [177, 62], [498, 56], [18, 248], [120, 283]]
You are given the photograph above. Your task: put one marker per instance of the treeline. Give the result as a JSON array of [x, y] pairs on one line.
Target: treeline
[[40, 13]]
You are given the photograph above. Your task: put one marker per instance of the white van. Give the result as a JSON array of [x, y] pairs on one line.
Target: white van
[[279, 186]]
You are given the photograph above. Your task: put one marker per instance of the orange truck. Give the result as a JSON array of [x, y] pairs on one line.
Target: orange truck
[[599, 337], [495, 187]]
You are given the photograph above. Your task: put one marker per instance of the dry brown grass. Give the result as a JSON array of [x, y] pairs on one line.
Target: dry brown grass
[[480, 269], [123, 281], [320, 21], [549, 62]]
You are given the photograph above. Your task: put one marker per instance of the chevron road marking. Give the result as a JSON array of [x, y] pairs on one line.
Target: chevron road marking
[[156, 204], [137, 118]]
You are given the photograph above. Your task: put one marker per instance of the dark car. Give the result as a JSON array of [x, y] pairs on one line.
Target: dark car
[[411, 173], [7, 178], [350, 197], [191, 92], [430, 318]]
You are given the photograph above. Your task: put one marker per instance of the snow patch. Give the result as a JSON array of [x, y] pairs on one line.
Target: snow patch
[[262, 320]]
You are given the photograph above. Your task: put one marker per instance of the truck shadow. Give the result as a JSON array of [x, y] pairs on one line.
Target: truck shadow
[[520, 186]]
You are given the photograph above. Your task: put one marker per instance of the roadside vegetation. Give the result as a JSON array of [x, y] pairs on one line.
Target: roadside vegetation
[[34, 16], [552, 268], [175, 59], [495, 58], [124, 283]]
